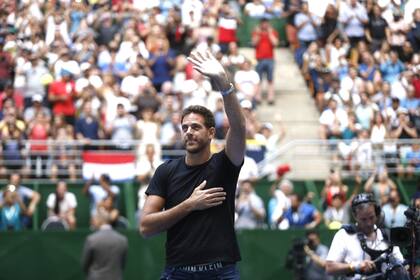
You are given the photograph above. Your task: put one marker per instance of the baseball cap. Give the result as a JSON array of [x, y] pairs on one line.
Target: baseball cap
[[246, 104], [37, 98]]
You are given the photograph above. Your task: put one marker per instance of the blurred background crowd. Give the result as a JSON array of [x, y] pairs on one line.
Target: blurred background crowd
[[117, 70]]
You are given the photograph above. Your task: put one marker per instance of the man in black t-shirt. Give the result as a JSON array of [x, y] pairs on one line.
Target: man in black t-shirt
[[192, 198]]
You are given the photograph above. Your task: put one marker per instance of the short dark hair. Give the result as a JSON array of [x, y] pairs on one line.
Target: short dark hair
[[106, 178], [312, 231], [200, 110]]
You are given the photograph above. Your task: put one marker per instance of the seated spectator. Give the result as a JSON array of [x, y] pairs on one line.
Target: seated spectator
[[250, 209], [12, 210], [380, 185], [392, 68], [301, 214], [402, 127], [9, 92], [394, 211], [255, 9], [30, 198], [414, 31], [62, 204], [247, 82], [333, 121], [31, 111], [97, 193]]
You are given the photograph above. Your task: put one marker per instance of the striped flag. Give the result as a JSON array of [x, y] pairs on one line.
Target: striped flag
[[119, 165]]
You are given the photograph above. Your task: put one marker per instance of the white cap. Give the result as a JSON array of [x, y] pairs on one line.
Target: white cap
[[246, 104], [37, 98]]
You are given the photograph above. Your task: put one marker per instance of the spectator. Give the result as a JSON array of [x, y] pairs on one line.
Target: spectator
[[255, 9], [105, 251], [394, 211], [301, 214], [249, 171], [30, 198], [9, 92], [353, 17], [392, 68], [265, 39], [414, 31], [403, 128], [97, 193], [329, 25], [337, 214], [247, 82], [279, 203], [317, 253], [107, 206], [39, 131], [334, 186], [62, 94], [122, 128], [377, 29], [413, 161], [31, 111], [88, 127], [34, 75], [333, 121], [250, 209], [12, 210], [227, 25], [170, 134], [62, 204], [365, 111], [380, 185], [307, 25]]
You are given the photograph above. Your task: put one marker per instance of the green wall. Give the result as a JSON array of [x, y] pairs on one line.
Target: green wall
[[56, 255]]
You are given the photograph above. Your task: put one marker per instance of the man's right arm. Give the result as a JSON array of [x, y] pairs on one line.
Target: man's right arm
[[154, 220]]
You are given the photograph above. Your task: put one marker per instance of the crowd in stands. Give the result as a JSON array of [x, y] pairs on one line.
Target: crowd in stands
[[361, 61], [117, 70]]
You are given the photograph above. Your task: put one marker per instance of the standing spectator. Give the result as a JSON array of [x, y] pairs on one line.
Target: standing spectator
[[6, 66], [394, 211], [122, 128], [161, 62], [265, 39], [62, 94], [337, 214], [333, 121], [403, 128], [105, 251], [62, 204], [307, 25], [353, 16], [329, 25], [107, 205], [398, 28], [250, 209], [34, 75], [87, 127], [279, 203], [414, 31], [380, 185], [365, 111], [255, 9], [301, 214], [227, 25], [29, 197], [377, 29], [97, 193], [39, 131]]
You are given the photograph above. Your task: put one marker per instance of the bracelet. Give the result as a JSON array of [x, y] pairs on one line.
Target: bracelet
[[229, 91], [352, 268]]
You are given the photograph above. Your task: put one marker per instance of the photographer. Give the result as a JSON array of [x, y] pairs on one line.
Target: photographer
[[317, 253], [355, 247]]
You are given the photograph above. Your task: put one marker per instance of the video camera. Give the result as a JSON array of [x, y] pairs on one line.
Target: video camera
[[296, 257]]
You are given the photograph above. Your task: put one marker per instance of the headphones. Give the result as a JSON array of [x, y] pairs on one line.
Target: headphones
[[362, 198]]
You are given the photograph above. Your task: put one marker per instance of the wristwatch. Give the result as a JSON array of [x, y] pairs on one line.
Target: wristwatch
[[228, 91]]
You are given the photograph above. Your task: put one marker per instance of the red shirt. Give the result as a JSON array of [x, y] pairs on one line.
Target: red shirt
[[17, 98], [61, 88], [39, 132], [416, 84], [264, 48], [227, 30]]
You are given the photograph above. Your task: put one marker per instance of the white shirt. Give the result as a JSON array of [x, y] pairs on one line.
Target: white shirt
[[97, 194], [69, 202], [354, 28], [328, 118], [346, 248]]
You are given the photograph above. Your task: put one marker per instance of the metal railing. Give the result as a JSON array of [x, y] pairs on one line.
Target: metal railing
[[314, 158], [309, 159]]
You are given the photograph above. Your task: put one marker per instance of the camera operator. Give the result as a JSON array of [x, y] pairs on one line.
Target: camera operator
[[355, 247], [317, 253]]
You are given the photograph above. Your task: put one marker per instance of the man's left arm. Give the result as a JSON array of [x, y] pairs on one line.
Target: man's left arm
[[207, 64]]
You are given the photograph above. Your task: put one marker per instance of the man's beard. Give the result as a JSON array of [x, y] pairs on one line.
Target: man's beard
[[197, 148]]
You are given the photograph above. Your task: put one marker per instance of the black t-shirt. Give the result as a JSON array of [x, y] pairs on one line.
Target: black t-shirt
[[377, 28], [204, 235]]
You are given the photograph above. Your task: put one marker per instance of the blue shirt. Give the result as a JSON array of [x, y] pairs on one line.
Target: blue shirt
[[87, 127], [302, 217], [391, 71]]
